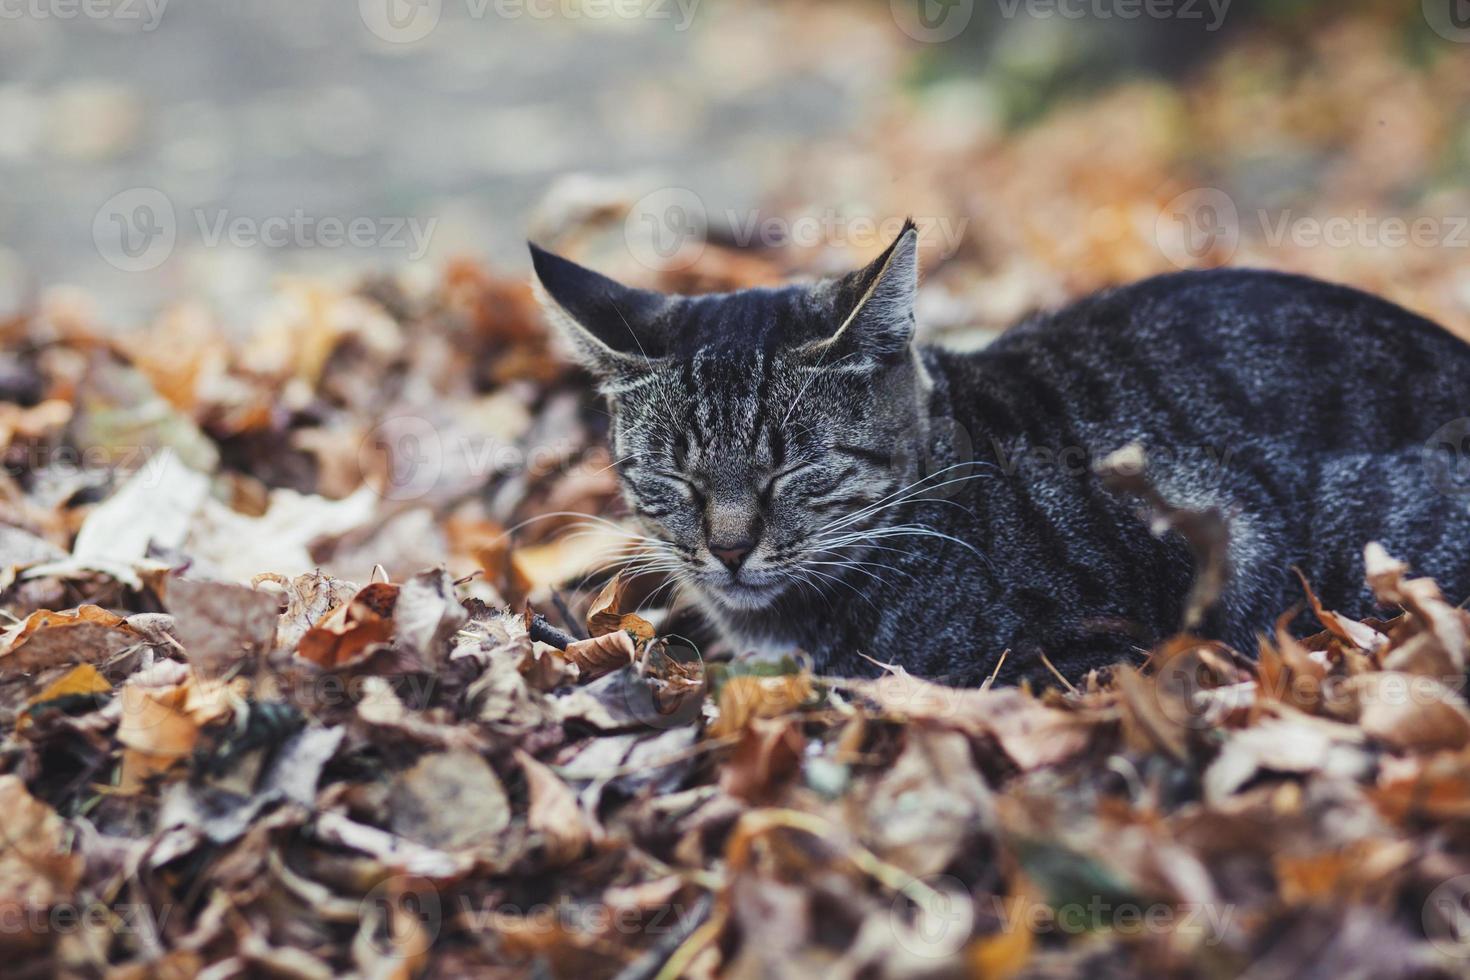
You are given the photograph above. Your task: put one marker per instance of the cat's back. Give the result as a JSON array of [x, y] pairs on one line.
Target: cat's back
[[1243, 306], [1229, 352]]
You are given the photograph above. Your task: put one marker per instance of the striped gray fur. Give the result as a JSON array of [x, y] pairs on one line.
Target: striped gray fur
[[864, 495]]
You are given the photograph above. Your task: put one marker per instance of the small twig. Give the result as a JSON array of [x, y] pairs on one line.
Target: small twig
[[1055, 673], [996, 672], [541, 630]]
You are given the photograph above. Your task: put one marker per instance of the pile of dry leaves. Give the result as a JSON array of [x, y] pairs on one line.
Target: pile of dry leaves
[[312, 671], [319, 663]]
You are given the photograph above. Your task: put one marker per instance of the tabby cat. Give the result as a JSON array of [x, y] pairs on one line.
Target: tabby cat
[[817, 480]]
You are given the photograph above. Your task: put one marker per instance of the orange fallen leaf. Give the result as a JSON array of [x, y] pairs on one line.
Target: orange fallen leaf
[[766, 757], [605, 614], [47, 619], [155, 730], [1006, 953], [80, 680], [744, 698], [48, 639], [346, 634]]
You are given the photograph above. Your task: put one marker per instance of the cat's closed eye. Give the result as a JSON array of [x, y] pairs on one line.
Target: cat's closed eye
[[768, 489], [684, 482]]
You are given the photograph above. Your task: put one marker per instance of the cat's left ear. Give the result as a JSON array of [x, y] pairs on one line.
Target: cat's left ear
[[876, 303], [614, 329]]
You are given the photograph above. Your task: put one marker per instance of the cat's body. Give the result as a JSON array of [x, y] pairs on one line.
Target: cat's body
[[1299, 409]]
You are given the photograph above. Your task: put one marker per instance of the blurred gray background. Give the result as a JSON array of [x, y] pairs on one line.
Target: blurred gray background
[[303, 111]]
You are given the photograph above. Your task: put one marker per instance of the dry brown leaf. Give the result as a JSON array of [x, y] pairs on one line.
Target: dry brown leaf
[[220, 625], [450, 801], [745, 697], [1031, 733], [930, 805], [37, 867], [767, 756], [640, 628], [426, 616], [347, 634], [381, 708], [309, 597], [155, 729], [1411, 712], [554, 812], [1421, 597], [80, 680], [1350, 631], [89, 634], [605, 614], [600, 655], [1292, 743]]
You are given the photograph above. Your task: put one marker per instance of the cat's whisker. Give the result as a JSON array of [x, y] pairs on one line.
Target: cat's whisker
[[616, 462], [554, 514], [842, 582], [907, 530], [902, 502], [804, 578], [859, 567], [907, 493]]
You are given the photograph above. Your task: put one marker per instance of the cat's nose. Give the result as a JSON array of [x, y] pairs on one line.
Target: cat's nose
[[732, 556]]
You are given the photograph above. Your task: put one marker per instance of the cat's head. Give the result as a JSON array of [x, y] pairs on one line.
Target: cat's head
[[756, 433]]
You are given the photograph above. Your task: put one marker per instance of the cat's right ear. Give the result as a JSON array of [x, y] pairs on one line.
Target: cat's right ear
[[612, 328]]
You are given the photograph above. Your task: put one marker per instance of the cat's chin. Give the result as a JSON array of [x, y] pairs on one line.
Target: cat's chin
[[743, 596]]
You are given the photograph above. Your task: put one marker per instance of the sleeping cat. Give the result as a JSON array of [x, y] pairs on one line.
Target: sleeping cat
[[819, 481]]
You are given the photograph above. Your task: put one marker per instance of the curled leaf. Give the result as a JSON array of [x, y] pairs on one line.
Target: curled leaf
[[600, 655], [347, 634]]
